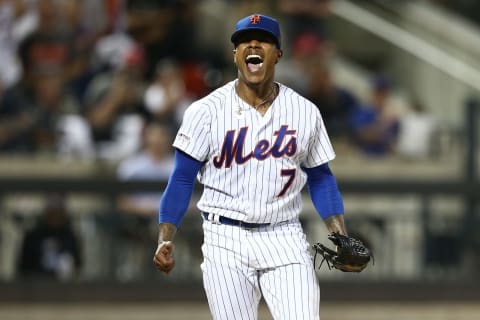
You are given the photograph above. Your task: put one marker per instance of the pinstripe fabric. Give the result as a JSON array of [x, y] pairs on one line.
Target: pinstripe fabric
[[250, 191], [240, 265]]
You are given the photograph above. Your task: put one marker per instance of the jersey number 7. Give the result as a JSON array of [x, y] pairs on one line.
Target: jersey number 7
[[290, 173]]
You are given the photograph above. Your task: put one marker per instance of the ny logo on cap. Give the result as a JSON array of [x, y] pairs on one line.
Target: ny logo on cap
[[255, 19]]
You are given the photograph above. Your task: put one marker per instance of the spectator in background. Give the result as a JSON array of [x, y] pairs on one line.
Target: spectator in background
[[114, 106], [307, 39], [305, 16], [80, 19], [163, 28], [113, 41], [49, 46], [374, 126], [17, 20], [153, 162], [31, 115], [307, 50], [417, 129], [166, 96], [138, 211], [48, 102], [208, 30], [335, 102], [51, 249], [15, 121]]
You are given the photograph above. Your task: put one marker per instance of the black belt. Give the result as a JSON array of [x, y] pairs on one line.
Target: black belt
[[238, 223]]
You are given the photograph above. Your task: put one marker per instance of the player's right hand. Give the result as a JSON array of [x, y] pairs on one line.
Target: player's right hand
[[163, 258]]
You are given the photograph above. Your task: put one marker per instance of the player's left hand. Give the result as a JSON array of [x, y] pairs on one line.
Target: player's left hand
[[163, 258], [351, 255]]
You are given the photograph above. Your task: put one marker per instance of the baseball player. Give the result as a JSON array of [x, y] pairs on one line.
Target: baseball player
[[253, 144]]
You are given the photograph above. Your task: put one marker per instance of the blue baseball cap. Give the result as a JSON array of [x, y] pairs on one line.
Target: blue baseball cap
[[258, 22]]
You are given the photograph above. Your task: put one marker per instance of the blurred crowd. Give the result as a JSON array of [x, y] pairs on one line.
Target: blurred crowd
[[83, 79]]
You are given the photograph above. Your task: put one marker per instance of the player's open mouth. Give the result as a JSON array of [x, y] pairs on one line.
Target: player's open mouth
[[254, 62]]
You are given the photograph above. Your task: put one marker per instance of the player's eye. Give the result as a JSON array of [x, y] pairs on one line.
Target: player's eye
[[260, 36]]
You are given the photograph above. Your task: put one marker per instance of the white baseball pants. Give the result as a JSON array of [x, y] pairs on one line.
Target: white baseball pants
[[240, 266]]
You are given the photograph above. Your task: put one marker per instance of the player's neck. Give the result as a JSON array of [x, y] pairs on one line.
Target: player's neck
[[258, 97]]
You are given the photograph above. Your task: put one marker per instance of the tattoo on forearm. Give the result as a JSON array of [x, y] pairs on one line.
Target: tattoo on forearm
[[166, 232], [336, 224]]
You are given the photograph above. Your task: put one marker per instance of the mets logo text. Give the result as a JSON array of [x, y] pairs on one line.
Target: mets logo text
[[233, 145]]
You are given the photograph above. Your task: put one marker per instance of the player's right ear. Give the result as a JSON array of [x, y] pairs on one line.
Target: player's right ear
[[235, 56], [279, 55]]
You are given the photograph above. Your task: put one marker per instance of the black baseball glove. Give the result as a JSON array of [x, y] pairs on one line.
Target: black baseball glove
[[351, 254]]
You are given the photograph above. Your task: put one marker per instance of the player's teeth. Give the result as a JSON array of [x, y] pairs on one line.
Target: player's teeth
[[254, 58]]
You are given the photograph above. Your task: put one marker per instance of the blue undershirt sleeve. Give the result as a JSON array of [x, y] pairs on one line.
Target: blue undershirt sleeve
[[324, 192], [178, 193]]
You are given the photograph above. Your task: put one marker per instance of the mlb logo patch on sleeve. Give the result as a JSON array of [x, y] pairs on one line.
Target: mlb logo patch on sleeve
[[183, 139]]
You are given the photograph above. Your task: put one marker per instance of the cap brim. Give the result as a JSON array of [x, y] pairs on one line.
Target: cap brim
[[237, 34]]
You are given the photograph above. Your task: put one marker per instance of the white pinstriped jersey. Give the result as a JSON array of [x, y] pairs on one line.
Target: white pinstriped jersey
[[253, 163]]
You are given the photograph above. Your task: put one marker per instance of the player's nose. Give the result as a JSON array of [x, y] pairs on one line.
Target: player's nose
[[253, 43]]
